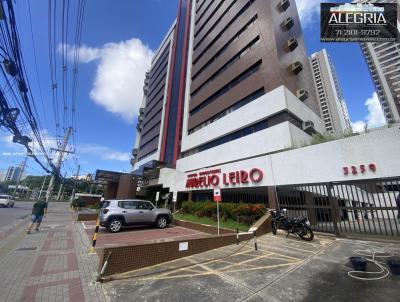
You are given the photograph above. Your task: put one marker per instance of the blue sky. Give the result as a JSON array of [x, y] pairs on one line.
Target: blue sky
[[118, 40]]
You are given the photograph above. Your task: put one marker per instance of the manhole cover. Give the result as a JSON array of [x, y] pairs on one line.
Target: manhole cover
[[21, 249]]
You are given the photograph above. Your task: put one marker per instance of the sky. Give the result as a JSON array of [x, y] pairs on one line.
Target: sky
[[118, 41]]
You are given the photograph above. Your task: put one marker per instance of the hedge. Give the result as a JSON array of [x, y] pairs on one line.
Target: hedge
[[241, 212]]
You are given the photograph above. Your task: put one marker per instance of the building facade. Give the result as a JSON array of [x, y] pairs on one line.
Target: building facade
[[229, 94], [383, 60], [226, 73], [331, 100], [13, 173]]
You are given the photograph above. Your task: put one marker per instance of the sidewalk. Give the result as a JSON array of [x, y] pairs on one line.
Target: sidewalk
[[50, 265]]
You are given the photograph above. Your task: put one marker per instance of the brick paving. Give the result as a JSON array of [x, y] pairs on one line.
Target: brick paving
[[50, 265], [135, 235]]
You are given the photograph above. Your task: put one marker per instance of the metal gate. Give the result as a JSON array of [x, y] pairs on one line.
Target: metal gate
[[366, 207]]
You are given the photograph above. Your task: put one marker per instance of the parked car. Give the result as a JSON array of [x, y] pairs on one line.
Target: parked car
[[116, 214], [6, 201]]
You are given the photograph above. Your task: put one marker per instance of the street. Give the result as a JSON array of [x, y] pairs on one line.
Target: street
[[20, 210]]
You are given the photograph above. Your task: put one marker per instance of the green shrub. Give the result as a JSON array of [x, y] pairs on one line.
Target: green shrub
[[78, 203], [242, 212]]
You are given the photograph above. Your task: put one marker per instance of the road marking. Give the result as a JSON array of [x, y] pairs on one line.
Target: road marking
[[84, 225]]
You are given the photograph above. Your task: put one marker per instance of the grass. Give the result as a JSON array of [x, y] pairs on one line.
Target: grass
[[229, 224]]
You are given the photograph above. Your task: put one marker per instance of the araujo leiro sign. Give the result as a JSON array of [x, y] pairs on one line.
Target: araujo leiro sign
[[359, 22], [215, 178]]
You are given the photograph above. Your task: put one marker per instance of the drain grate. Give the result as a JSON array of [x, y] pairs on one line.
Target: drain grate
[[21, 249]]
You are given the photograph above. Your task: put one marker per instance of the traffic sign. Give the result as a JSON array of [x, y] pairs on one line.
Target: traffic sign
[[217, 195]]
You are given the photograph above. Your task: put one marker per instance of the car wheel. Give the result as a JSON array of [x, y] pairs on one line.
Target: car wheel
[[161, 222], [12, 205], [115, 225]]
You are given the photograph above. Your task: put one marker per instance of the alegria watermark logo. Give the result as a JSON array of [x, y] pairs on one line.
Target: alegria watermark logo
[[359, 22]]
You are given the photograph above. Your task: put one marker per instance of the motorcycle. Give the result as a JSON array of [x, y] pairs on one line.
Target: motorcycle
[[298, 225]]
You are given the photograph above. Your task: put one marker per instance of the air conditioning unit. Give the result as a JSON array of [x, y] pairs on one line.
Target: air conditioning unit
[[287, 23], [141, 110], [284, 5], [135, 152], [292, 44], [296, 67], [308, 127], [302, 94]]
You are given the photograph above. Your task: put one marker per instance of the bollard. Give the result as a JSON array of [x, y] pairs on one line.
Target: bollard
[[237, 236], [255, 240], [91, 251]]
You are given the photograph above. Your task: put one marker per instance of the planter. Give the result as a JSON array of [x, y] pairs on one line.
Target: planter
[[394, 266], [359, 263]]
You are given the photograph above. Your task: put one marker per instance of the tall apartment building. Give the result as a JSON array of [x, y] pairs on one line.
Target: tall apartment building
[[230, 81], [383, 59], [331, 100], [13, 173]]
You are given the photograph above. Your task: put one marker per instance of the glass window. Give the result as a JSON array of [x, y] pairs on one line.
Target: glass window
[[143, 205], [129, 204]]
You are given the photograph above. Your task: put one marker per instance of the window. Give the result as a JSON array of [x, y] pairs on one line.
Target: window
[[128, 204], [143, 205]]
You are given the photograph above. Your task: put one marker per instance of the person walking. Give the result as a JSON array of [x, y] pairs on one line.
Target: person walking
[[39, 210]]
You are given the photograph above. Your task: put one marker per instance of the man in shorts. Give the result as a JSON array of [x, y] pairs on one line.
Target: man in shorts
[[39, 210]]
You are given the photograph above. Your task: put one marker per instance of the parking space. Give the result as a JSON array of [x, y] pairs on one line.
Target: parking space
[[282, 269], [138, 234]]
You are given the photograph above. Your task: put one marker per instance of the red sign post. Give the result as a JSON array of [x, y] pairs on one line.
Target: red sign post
[[217, 199]]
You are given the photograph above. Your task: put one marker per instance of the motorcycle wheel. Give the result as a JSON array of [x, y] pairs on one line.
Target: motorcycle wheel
[[306, 233], [274, 228]]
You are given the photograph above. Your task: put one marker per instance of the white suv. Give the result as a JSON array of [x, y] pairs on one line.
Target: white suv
[[6, 201]]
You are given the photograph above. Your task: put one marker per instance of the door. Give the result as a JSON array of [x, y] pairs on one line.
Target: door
[[130, 211], [146, 212]]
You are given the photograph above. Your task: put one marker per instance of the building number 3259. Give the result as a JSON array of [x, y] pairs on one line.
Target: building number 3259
[[362, 168]]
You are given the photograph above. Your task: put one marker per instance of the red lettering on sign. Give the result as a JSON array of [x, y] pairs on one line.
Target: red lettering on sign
[[256, 175], [214, 180], [372, 167], [231, 176], [354, 169], [362, 168], [244, 177], [345, 170]]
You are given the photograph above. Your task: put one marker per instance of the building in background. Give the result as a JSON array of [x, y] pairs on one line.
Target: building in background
[[13, 173], [228, 75], [331, 100], [383, 59]]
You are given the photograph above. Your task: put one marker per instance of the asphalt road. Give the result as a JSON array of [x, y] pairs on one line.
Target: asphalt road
[[20, 210]]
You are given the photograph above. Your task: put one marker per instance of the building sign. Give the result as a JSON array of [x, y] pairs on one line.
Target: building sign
[[142, 181], [215, 178], [359, 22], [361, 168]]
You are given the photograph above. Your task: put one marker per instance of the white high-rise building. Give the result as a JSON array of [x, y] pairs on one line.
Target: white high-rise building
[[331, 100], [383, 59]]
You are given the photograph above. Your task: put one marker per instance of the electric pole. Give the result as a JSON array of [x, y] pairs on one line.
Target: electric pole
[[61, 187], [76, 179], [58, 162], [19, 176], [41, 189]]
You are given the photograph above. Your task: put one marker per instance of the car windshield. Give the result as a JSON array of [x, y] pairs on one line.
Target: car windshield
[[105, 204], [3, 196]]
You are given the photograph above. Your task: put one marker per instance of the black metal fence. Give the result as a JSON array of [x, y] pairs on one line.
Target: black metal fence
[[366, 207]]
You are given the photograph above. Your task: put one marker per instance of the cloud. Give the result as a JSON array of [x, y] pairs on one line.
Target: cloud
[[309, 11], [120, 73], [374, 118], [103, 152]]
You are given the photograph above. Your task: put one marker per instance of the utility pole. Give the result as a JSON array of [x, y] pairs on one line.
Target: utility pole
[[19, 176], [76, 179], [58, 162], [61, 187], [41, 189]]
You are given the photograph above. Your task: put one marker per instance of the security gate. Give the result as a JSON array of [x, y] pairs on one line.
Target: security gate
[[366, 207]]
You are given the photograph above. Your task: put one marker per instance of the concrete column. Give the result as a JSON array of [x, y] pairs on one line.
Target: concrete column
[[127, 187], [308, 196], [111, 189], [272, 200]]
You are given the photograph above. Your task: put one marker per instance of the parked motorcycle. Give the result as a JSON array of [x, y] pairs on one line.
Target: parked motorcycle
[[297, 225]]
